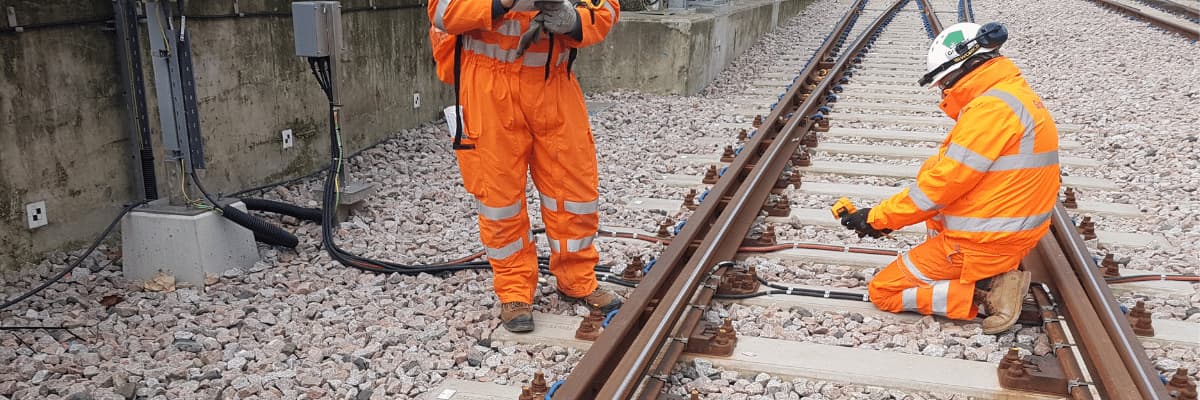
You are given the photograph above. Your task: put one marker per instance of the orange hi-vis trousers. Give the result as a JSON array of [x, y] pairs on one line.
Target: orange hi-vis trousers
[[522, 124], [928, 279]]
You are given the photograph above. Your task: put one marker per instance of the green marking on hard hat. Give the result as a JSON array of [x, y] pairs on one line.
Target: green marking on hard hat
[[953, 38]]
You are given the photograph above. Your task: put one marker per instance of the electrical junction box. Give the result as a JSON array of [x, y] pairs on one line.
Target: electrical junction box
[[318, 28]]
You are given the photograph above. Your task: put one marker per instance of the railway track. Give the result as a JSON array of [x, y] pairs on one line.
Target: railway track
[[1179, 16], [853, 123]]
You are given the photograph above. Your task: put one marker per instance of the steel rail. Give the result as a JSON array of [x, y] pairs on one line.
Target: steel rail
[[1053, 326], [623, 352], [1096, 291], [935, 24], [1190, 32], [732, 225]]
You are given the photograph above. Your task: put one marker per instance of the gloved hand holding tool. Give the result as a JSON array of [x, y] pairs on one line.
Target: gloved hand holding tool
[[555, 16], [857, 219]]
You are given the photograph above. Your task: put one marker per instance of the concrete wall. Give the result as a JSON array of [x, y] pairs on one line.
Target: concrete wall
[[62, 133], [63, 138], [679, 54]]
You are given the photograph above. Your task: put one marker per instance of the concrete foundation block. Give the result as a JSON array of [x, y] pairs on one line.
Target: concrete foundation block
[[184, 243]]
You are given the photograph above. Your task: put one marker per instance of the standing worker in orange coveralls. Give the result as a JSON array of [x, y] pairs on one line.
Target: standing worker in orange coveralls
[[526, 112], [986, 197]]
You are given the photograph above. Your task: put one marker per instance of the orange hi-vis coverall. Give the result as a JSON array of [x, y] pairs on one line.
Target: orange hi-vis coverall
[[986, 196], [524, 114]]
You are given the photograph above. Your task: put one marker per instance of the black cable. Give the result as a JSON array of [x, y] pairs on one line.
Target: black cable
[[71, 267], [264, 231]]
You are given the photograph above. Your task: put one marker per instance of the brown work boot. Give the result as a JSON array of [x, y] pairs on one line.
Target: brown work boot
[[517, 316], [601, 299], [1003, 301]]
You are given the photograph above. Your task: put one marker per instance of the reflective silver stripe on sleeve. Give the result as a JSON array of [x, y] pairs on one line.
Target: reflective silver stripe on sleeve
[[510, 27], [1022, 161], [912, 269], [581, 208], [1018, 109], [499, 213], [549, 203], [440, 13], [505, 251], [968, 157], [921, 200], [909, 297], [941, 296], [996, 224], [574, 245]]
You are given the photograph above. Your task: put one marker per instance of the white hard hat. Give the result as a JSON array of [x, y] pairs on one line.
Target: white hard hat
[[956, 44]]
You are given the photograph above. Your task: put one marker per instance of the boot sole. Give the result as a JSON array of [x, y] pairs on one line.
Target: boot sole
[[1025, 278], [519, 325]]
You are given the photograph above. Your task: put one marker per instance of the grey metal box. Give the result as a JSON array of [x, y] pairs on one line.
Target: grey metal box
[[318, 27]]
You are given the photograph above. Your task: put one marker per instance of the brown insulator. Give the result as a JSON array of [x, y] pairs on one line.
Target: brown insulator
[[810, 140], [527, 394], [1181, 386], [767, 238], [796, 179], [710, 176], [741, 136], [538, 386], [589, 327], [633, 271], [695, 395], [1110, 267], [1069, 199], [727, 155], [1012, 364], [822, 125], [1087, 228], [802, 158], [689, 200], [782, 207], [726, 334], [757, 121], [1140, 320], [664, 228]]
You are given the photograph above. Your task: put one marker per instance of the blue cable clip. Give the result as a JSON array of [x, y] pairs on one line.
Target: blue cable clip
[[702, 196], [722, 171], [679, 226], [554, 388], [646, 269], [608, 318]]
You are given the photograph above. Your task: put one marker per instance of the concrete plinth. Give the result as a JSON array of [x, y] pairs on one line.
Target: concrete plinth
[[185, 243]]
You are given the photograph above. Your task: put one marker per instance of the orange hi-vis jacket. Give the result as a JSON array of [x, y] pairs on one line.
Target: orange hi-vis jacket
[[526, 117], [994, 182]]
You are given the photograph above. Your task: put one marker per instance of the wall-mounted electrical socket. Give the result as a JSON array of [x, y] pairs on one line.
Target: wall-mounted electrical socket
[[288, 140], [35, 214], [416, 100]]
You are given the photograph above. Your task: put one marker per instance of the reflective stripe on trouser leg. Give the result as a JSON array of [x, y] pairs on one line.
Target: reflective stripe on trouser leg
[[894, 289], [563, 166]]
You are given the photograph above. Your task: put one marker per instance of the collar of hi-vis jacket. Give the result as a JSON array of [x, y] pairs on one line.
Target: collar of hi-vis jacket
[[977, 82]]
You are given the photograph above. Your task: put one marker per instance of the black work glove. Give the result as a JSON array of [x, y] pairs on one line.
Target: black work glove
[[858, 222]]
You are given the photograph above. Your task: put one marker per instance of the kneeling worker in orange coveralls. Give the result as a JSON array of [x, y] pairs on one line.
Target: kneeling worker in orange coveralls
[[986, 197], [524, 111]]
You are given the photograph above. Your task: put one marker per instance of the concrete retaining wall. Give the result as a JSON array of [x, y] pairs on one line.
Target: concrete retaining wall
[[63, 137], [679, 54]]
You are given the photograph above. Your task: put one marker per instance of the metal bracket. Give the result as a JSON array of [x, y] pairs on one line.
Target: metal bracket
[[237, 8], [12, 20]]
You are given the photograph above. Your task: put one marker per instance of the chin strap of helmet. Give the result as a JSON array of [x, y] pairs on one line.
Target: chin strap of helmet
[[968, 66]]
